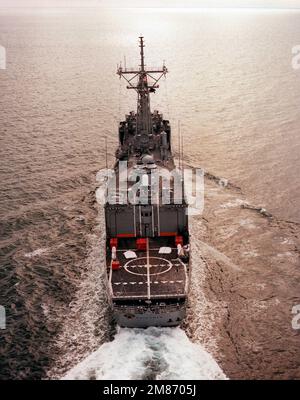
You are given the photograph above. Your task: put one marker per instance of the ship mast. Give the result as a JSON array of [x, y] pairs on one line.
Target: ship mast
[[144, 82]]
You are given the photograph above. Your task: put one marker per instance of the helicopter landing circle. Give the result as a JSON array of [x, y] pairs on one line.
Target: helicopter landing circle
[[136, 264]]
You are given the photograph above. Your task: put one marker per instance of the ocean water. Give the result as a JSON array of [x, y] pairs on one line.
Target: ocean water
[[232, 86]]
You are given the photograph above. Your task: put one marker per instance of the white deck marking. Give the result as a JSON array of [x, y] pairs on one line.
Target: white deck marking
[[143, 266], [186, 286], [143, 283], [129, 266], [129, 283], [109, 281]]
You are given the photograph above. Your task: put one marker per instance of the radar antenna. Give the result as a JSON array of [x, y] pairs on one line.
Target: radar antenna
[[144, 82]]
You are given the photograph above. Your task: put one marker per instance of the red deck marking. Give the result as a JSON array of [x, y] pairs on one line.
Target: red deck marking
[[125, 235], [113, 242]]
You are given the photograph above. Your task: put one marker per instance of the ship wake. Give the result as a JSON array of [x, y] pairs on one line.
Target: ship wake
[[153, 353]]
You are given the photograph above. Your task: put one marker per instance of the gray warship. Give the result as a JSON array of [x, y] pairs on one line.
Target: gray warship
[[146, 218]]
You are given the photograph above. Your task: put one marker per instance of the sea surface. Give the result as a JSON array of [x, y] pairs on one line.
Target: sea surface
[[230, 83]]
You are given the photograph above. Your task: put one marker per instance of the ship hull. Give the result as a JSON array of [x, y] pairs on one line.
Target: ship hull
[[135, 318]]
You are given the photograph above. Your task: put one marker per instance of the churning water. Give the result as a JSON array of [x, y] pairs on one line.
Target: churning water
[[154, 353]]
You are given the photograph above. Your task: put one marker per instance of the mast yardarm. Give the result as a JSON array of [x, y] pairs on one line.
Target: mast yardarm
[[144, 82]]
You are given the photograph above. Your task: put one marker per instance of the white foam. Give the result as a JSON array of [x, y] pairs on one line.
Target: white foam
[[286, 254], [287, 241], [216, 254], [36, 253], [234, 203], [250, 253], [158, 353]]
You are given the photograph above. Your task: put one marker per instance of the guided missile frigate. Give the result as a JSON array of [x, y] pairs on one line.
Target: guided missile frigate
[[146, 219]]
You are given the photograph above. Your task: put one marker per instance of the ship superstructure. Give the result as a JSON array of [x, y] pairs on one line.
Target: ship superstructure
[[147, 238]]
